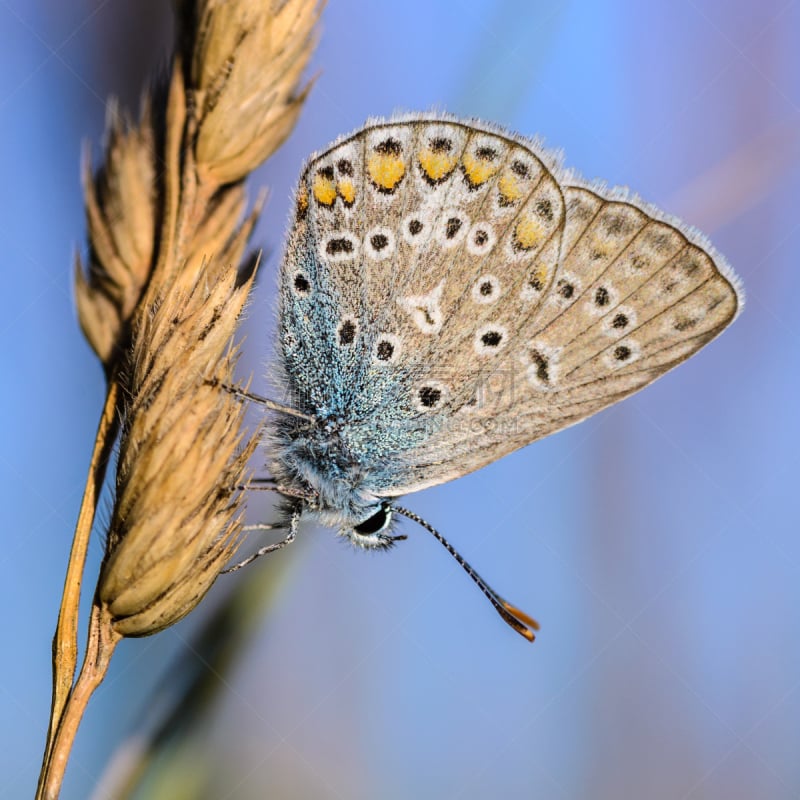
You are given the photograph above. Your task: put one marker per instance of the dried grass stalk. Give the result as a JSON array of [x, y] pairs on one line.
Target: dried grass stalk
[[159, 304]]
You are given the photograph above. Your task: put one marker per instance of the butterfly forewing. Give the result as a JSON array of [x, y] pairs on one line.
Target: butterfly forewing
[[492, 256], [468, 194], [401, 222]]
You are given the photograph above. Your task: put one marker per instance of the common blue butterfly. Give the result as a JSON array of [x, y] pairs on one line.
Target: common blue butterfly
[[449, 294]]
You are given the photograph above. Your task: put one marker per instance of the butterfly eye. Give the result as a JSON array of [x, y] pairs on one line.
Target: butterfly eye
[[376, 523], [372, 533]]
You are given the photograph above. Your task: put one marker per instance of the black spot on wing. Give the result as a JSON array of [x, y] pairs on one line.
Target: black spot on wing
[[347, 332], [337, 246], [429, 396], [379, 241], [453, 227], [492, 338], [385, 350]]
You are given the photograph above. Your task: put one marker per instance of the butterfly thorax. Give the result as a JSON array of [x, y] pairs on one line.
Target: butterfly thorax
[[325, 460]]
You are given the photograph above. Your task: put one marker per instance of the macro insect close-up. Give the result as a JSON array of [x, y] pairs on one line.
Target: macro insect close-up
[[447, 297], [400, 400]]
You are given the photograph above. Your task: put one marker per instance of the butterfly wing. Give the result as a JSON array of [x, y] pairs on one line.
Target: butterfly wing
[[636, 293], [445, 295]]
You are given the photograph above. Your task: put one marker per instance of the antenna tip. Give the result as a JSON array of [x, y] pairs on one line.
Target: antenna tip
[[524, 620]]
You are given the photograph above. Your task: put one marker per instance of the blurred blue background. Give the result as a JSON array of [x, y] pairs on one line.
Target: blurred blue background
[[657, 542]]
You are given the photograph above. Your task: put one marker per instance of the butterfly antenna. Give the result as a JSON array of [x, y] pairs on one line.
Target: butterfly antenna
[[511, 615]]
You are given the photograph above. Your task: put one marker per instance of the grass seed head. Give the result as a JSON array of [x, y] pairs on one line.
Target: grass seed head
[[176, 517], [245, 72]]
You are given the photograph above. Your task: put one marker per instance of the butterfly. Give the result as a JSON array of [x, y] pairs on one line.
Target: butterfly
[[450, 294]]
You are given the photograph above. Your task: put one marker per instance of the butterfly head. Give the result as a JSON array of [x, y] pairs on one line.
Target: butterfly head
[[322, 466], [368, 528]]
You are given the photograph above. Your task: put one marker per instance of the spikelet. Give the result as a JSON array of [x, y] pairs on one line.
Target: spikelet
[[176, 516], [245, 69], [121, 209], [163, 303]]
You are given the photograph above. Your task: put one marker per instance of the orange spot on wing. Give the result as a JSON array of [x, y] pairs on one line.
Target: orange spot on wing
[[302, 201], [478, 170], [386, 170], [437, 165], [346, 191], [538, 277], [324, 190], [528, 233], [510, 189]]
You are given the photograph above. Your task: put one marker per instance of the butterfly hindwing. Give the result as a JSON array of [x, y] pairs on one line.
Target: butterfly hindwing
[[635, 294]]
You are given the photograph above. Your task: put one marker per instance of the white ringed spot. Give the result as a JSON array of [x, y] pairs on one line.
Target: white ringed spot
[[543, 367], [622, 353], [451, 228], [566, 291], [487, 290], [379, 243], [415, 229], [480, 239], [601, 298], [339, 246], [387, 349], [430, 395], [619, 321]]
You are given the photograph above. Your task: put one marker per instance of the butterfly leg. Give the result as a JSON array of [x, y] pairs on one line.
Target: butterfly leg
[[260, 485], [271, 485], [290, 537], [243, 394]]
